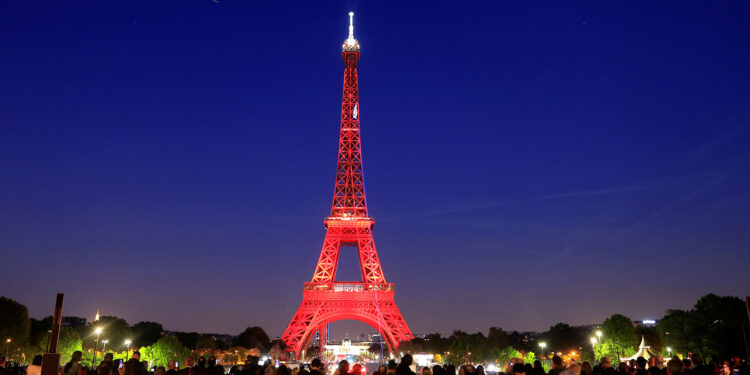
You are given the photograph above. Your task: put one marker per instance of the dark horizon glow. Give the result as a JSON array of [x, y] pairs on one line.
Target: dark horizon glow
[[526, 163]]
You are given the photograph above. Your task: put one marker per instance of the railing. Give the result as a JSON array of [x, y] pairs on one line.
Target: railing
[[349, 287]]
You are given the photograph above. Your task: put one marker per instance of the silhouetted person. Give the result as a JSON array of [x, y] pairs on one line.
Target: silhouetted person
[[557, 365], [640, 365], [343, 368], [316, 367], [251, 364], [134, 366], [171, 367], [404, 368], [35, 368], [392, 367], [739, 365], [73, 367], [675, 367], [538, 369]]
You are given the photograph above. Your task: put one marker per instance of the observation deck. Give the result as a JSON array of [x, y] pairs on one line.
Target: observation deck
[[348, 287]]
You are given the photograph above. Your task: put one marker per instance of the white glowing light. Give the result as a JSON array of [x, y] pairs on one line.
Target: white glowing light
[[350, 42]]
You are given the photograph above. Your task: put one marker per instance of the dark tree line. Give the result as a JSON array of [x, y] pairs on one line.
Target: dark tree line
[[714, 327]]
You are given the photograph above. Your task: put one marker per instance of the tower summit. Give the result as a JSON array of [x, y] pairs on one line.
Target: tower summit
[[324, 299], [350, 44]]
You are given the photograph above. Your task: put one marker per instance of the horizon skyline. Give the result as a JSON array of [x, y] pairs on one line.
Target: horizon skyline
[[444, 333]]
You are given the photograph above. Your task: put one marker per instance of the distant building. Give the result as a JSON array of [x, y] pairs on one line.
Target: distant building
[[73, 321], [346, 350], [646, 323]]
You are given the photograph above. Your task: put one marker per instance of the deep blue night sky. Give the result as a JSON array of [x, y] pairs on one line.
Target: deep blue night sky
[[526, 162]]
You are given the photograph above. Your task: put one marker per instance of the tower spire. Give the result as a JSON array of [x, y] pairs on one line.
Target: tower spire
[[351, 25], [351, 44]]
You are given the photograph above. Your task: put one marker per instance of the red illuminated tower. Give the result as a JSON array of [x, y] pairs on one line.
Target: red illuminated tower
[[325, 300]]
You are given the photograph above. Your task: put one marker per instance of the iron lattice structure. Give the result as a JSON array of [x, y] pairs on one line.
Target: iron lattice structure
[[325, 300]]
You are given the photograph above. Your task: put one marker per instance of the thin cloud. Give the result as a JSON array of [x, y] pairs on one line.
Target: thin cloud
[[685, 198], [605, 191]]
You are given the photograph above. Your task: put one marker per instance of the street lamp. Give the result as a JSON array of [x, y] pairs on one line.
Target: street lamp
[[96, 346], [542, 345], [127, 349], [669, 350], [599, 335], [7, 346], [104, 348]]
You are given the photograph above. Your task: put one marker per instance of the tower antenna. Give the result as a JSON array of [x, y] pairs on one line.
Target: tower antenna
[[351, 25]]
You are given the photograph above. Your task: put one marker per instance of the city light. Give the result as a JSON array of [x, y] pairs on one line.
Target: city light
[[599, 334], [593, 341], [98, 331]]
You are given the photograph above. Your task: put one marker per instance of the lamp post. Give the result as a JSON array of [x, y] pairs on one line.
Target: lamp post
[[542, 345], [104, 348], [7, 346], [96, 346], [593, 346], [669, 350], [127, 349], [599, 335]]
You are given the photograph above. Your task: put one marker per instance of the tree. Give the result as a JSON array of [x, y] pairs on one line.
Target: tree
[[205, 342], [14, 322], [416, 345], [609, 348], [165, 349], [518, 341], [505, 355], [436, 343], [712, 328], [277, 351], [530, 357], [563, 337], [146, 333], [679, 330], [68, 342], [497, 338], [254, 337], [38, 329], [620, 330], [115, 330], [188, 339], [468, 348]]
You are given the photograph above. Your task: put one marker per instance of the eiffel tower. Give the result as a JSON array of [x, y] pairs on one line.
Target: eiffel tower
[[370, 300]]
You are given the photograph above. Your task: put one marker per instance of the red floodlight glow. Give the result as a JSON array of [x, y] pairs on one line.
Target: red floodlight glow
[[323, 299]]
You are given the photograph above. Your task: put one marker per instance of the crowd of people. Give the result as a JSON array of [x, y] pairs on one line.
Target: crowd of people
[[252, 366]]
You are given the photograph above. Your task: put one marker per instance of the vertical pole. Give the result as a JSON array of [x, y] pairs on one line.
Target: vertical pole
[[96, 347], [744, 334], [51, 360]]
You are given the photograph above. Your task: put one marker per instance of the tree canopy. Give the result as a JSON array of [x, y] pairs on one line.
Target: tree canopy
[[253, 337], [146, 333], [14, 322]]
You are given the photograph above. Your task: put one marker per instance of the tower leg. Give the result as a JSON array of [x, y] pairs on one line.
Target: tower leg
[[323, 337]]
